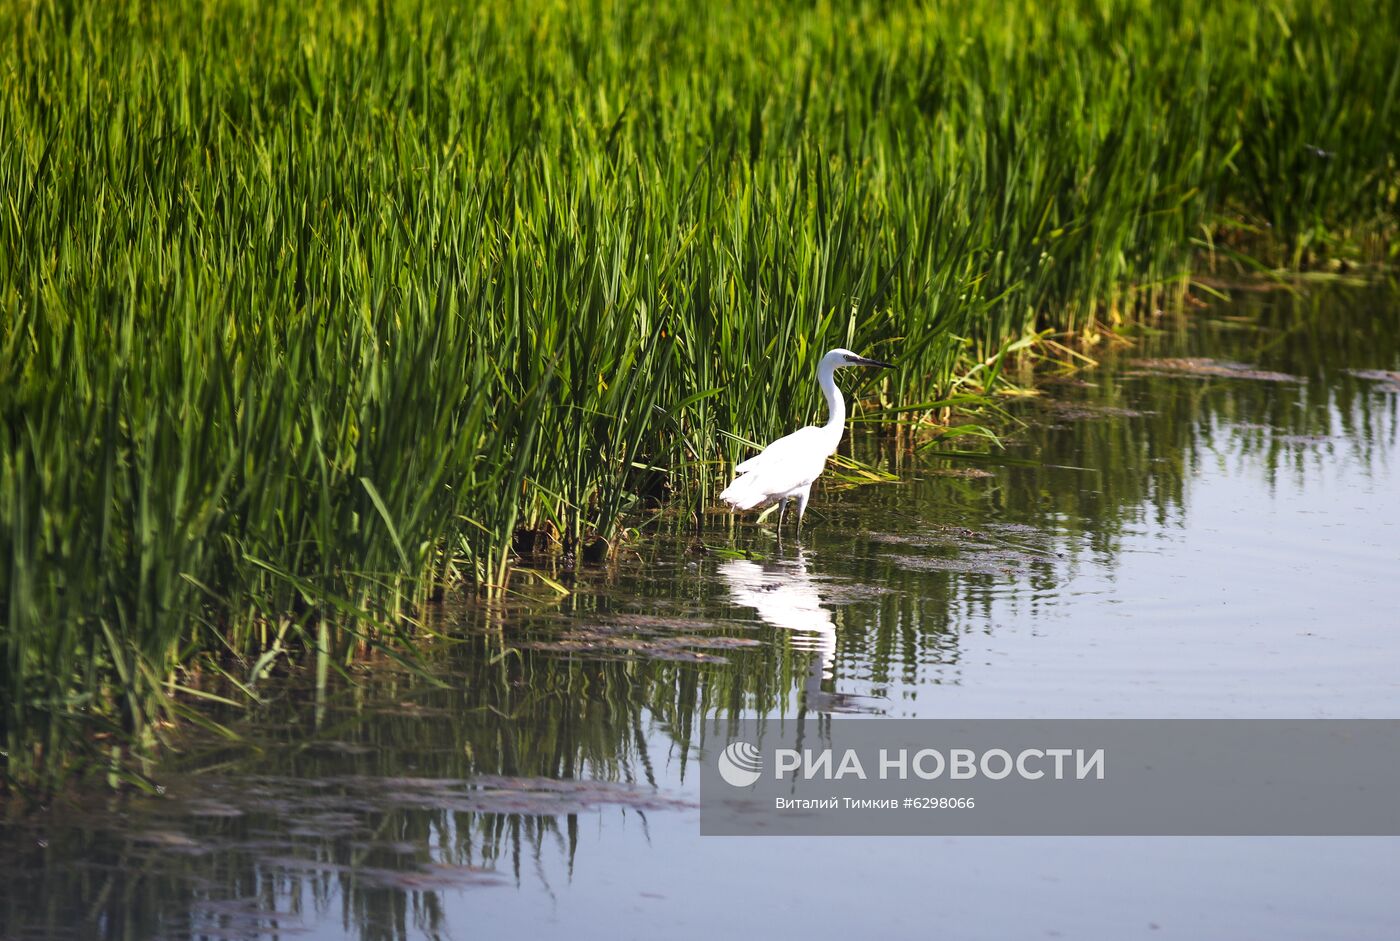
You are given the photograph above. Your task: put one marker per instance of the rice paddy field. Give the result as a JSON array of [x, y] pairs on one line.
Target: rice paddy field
[[311, 313]]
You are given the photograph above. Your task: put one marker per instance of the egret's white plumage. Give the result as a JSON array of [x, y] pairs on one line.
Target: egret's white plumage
[[786, 468]]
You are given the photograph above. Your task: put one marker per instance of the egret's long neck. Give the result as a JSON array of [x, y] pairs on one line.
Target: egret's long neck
[[835, 404]]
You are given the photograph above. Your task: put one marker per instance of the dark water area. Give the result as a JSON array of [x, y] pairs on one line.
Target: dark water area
[[1207, 525]]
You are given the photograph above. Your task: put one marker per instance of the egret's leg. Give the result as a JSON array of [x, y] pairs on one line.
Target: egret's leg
[[782, 508], [802, 506]]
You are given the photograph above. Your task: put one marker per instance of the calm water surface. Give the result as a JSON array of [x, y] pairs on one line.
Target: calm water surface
[[1161, 539]]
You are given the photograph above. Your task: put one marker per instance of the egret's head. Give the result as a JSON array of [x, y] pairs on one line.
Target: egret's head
[[840, 358]]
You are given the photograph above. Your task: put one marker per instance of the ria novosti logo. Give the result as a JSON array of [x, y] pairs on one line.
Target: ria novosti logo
[[741, 764]]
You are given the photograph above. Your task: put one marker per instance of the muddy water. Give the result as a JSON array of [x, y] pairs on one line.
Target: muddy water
[[1206, 525]]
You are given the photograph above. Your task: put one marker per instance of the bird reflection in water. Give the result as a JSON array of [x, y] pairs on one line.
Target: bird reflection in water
[[786, 597]]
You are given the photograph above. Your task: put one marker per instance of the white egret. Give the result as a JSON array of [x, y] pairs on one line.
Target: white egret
[[785, 469]]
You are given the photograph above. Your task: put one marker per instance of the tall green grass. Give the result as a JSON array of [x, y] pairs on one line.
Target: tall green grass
[[308, 309]]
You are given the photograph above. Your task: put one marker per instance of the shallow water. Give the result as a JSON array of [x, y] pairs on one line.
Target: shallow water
[[1165, 537]]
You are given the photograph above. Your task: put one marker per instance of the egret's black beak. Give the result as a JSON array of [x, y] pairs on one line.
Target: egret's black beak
[[861, 360]]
